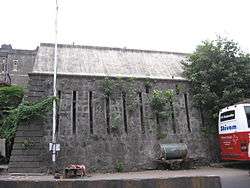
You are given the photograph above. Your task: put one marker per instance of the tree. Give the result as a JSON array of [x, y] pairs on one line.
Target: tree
[[10, 98], [220, 75]]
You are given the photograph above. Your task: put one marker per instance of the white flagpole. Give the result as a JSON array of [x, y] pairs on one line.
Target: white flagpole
[[55, 92]]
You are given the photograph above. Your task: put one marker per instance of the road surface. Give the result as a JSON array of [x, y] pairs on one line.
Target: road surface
[[230, 177]]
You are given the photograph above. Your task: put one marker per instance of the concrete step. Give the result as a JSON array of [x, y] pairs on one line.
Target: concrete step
[[27, 174], [29, 128], [17, 152], [31, 139], [25, 156], [27, 146], [29, 133], [25, 164], [24, 170], [22, 158]]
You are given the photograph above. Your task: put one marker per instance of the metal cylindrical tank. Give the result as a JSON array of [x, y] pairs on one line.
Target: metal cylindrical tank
[[171, 151]]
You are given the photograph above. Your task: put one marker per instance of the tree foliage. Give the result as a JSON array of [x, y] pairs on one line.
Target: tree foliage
[[10, 97], [220, 75]]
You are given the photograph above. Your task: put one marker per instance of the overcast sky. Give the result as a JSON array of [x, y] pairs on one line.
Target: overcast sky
[[169, 25]]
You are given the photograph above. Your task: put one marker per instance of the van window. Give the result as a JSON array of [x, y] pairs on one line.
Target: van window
[[229, 115], [247, 110]]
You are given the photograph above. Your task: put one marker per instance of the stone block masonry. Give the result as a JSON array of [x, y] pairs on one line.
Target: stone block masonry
[[106, 133]]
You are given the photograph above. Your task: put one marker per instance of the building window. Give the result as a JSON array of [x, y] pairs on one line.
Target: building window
[[4, 66], [15, 65]]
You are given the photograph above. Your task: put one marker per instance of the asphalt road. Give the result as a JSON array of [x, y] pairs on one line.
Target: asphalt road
[[230, 177], [235, 179]]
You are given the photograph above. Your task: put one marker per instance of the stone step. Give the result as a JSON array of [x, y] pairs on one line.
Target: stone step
[[27, 146], [31, 139], [24, 164], [24, 170], [29, 128], [29, 133], [25, 152], [23, 158]]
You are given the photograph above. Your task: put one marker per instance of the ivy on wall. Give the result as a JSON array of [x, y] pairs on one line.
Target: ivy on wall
[[24, 112], [160, 101], [111, 86], [13, 111]]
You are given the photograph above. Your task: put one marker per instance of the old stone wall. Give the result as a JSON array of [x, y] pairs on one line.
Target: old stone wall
[[105, 134]]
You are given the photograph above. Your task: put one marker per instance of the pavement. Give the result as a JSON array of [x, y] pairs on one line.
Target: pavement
[[230, 177]]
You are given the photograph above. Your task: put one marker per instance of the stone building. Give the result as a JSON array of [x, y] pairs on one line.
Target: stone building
[[104, 119], [15, 64]]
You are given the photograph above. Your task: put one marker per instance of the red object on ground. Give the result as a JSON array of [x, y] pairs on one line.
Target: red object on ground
[[81, 168]]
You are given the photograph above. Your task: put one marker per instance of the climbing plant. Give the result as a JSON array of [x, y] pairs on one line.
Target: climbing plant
[[116, 120], [107, 86], [111, 86], [24, 112], [160, 101], [148, 84]]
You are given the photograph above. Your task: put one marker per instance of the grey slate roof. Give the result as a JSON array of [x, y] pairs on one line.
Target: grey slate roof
[[104, 61]]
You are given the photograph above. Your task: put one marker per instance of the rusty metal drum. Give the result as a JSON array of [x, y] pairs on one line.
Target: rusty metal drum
[[171, 151]]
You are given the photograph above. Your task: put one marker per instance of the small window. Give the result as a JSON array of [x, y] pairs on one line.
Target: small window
[[4, 66], [247, 110], [15, 65], [229, 115]]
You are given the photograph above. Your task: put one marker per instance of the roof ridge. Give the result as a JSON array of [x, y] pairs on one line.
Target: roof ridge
[[111, 48]]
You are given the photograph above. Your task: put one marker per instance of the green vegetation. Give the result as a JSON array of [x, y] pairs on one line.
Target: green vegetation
[[116, 120], [119, 167], [220, 76], [117, 85], [107, 86], [14, 111], [160, 103], [10, 97], [24, 112]]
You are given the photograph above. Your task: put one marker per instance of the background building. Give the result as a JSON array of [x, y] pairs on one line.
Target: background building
[[15, 64]]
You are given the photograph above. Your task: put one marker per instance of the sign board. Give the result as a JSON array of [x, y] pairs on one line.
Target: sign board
[[51, 147]]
